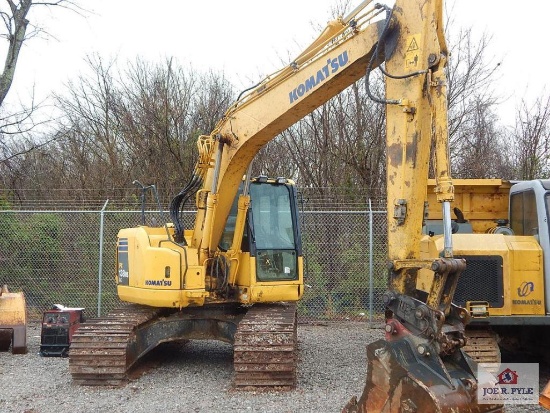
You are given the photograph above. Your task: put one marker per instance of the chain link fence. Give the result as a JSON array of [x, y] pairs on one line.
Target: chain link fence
[[68, 257]]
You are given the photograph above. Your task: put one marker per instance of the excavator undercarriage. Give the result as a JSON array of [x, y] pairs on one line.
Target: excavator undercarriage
[[105, 349], [482, 345]]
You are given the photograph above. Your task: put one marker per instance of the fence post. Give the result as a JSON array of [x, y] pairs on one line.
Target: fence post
[[100, 266], [371, 281]]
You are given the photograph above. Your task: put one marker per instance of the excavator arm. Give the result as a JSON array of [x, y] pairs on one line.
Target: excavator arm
[[420, 365]]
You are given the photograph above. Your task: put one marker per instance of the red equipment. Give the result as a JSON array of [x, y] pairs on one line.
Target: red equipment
[[58, 327]]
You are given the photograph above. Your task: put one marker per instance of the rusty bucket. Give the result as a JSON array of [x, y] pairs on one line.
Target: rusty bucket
[[13, 321], [400, 378]]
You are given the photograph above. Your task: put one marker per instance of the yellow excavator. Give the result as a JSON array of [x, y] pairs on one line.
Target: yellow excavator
[[13, 321], [237, 274]]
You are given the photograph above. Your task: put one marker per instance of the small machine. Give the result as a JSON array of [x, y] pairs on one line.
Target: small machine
[[58, 327]]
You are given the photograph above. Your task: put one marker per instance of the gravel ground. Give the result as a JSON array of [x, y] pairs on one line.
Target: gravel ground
[[197, 378]]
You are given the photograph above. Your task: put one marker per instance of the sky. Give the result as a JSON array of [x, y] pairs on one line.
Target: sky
[[247, 40]]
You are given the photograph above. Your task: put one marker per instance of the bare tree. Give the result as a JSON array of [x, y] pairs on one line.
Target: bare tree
[[19, 120], [117, 126], [14, 16], [15, 23], [164, 109], [471, 75], [143, 123], [532, 138], [483, 152]]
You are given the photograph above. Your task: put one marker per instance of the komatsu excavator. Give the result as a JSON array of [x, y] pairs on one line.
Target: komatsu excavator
[[237, 274]]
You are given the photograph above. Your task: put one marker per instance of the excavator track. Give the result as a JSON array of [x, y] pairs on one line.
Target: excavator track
[[100, 352], [265, 347], [482, 345], [104, 349]]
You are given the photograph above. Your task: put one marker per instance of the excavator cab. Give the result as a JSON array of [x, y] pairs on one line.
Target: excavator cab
[[13, 321], [272, 233]]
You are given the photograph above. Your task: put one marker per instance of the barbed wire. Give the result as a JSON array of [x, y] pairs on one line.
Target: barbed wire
[[318, 198]]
